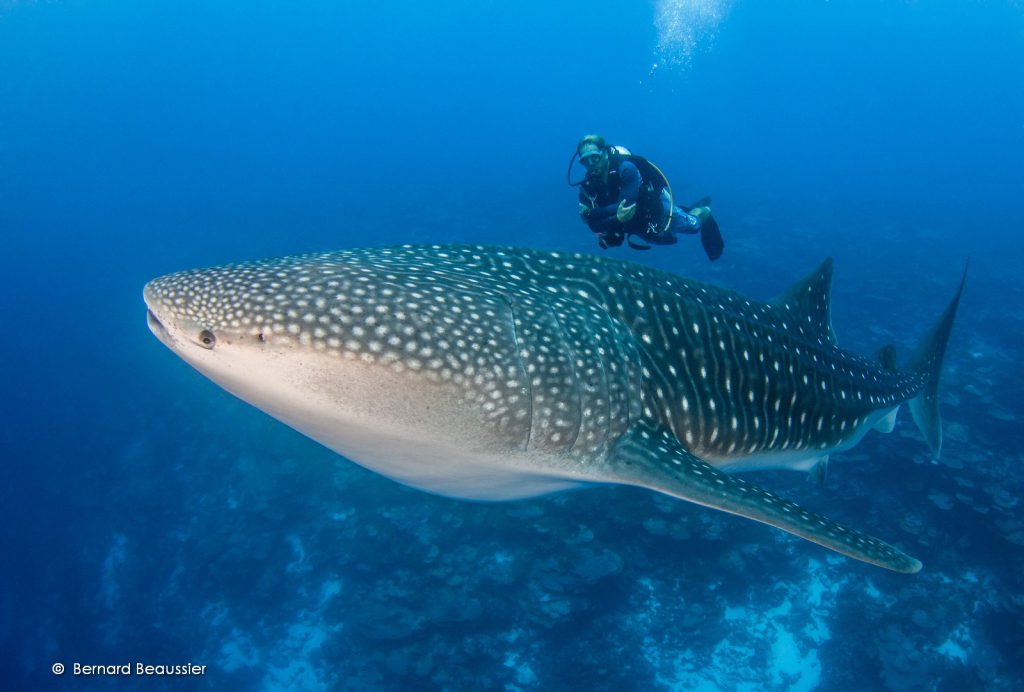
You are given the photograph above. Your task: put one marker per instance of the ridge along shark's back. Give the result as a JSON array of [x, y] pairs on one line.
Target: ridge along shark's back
[[496, 373]]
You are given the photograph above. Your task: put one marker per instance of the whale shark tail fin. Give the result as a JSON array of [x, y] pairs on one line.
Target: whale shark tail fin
[[927, 361]]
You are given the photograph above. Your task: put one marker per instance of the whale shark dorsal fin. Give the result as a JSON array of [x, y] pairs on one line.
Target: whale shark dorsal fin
[[653, 458], [809, 301]]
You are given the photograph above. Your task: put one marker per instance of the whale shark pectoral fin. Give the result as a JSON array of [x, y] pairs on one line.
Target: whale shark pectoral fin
[[653, 458]]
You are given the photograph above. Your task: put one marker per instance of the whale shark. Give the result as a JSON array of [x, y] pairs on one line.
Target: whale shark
[[499, 373]]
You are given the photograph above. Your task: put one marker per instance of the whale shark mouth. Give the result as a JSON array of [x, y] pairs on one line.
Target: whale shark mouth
[[157, 327]]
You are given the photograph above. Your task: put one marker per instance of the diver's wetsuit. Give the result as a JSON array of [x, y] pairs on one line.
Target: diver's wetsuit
[[603, 194]]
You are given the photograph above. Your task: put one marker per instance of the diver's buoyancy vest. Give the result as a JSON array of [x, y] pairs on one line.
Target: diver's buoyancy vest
[[649, 209]]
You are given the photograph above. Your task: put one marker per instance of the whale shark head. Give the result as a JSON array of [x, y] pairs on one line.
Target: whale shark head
[[403, 365]]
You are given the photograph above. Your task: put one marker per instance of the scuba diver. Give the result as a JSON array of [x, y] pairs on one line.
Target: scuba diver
[[625, 196]]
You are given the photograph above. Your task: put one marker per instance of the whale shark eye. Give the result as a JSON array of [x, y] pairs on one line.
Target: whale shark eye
[[207, 339]]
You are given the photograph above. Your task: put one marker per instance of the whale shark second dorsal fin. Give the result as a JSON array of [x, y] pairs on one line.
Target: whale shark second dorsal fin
[[809, 302], [887, 357]]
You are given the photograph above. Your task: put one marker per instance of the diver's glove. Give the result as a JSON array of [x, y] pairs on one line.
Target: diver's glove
[[602, 242], [584, 211], [702, 214], [625, 211]]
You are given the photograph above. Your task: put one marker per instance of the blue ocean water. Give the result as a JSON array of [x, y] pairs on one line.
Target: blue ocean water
[[148, 516]]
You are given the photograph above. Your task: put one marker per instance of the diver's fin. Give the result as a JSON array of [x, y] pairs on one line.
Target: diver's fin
[[651, 457], [809, 301], [887, 423], [887, 357], [928, 362], [711, 238]]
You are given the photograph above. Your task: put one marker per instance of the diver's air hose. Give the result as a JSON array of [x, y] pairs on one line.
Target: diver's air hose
[[568, 172]]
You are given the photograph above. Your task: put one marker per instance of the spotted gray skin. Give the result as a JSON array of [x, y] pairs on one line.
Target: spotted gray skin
[[499, 373]]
